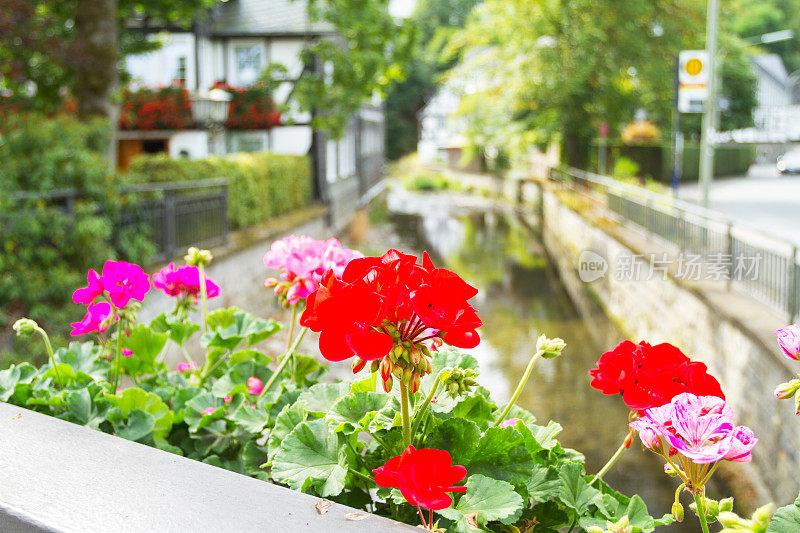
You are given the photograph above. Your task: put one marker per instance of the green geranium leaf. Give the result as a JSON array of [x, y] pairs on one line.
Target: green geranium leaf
[[62, 373], [387, 418], [252, 419], [85, 357], [539, 438], [193, 412], [81, 408], [138, 425], [131, 399], [311, 457], [288, 419], [485, 500], [320, 398], [635, 510], [786, 519], [353, 413], [235, 380], [500, 453], [177, 330], [232, 330], [575, 493], [458, 436], [543, 484], [145, 344], [23, 373]]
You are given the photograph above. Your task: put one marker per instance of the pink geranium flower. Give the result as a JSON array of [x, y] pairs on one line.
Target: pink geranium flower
[[303, 261], [511, 422], [254, 385], [86, 295], [96, 319], [187, 367], [789, 341], [127, 353], [209, 411], [183, 281], [124, 282], [697, 427]]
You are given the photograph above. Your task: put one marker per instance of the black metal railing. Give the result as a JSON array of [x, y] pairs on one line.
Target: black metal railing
[[775, 280], [173, 216]]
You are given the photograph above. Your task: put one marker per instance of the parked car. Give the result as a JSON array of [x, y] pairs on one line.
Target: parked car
[[789, 163]]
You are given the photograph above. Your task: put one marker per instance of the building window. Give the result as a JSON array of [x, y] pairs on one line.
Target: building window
[[248, 64], [255, 141], [180, 76]]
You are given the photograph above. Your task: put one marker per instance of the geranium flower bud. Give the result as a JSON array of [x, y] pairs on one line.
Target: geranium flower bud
[[387, 384], [784, 391], [677, 511], [374, 366], [358, 365], [670, 470], [197, 257], [25, 326], [789, 341], [763, 514], [254, 385], [550, 348], [386, 369], [797, 404]]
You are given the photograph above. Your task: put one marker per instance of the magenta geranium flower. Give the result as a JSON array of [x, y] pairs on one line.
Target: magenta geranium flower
[[303, 261], [96, 319], [789, 341], [698, 427], [183, 281], [124, 282], [86, 295]]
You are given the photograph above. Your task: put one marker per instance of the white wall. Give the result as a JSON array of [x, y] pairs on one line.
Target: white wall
[[290, 140], [160, 68], [193, 142]]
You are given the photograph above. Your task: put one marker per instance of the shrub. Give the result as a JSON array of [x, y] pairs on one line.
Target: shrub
[[46, 247], [625, 168], [262, 185], [642, 131]]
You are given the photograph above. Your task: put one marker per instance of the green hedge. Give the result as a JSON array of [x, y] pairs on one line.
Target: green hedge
[[44, 250], [262, 185], [655, 160]]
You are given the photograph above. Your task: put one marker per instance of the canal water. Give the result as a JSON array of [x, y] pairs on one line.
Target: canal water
[[520, 298]]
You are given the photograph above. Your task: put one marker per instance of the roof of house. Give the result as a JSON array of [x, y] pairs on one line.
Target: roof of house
[[265, 17]]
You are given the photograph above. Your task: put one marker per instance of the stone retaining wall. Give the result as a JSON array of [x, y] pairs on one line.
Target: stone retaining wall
[[662, 310]]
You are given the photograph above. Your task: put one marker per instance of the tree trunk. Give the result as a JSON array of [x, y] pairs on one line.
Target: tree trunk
[[575, 149], [96, 74]]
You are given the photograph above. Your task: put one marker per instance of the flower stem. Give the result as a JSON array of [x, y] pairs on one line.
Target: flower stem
[[404, 414], [203, 295], [610, 463], [420, 414], [360, 475], [50, 354], [120, 332], [286, 357], [421, 517], [698, 500], [291, 334], [520, 386]]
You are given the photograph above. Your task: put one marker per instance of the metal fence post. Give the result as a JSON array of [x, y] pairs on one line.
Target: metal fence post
[[169, 225], [225, 227], [729, 252], [794, 285]]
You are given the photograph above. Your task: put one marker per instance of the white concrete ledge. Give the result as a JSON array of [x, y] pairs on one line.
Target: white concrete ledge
[[59, 477]]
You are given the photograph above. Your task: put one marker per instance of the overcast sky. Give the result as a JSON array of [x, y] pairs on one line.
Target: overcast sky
[[402, 8]]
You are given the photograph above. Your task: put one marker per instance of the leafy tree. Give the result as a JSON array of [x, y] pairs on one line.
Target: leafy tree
[[559, 68], [363, 60], [752, 18], [47, 47], [435, 21]]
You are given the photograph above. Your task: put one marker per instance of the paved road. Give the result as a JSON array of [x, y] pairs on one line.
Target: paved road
[[763, 199]]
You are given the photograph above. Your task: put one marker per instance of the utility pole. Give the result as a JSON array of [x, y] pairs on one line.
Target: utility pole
[[708, 133]]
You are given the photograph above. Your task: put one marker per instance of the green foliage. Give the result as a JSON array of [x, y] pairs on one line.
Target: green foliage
[[435, 21], [784, 520], [523, 55], [46, 250], [362, 61], [321, 438], [262, 185], [625, 168]]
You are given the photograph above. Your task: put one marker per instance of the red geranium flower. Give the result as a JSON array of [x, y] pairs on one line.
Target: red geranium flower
[[392, 308], [423, 476], [650, 376]]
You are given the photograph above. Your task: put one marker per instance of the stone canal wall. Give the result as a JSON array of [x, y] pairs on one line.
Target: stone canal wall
[[662, 309]]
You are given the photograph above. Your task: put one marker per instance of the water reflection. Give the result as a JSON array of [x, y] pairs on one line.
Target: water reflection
[[521, 297]]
